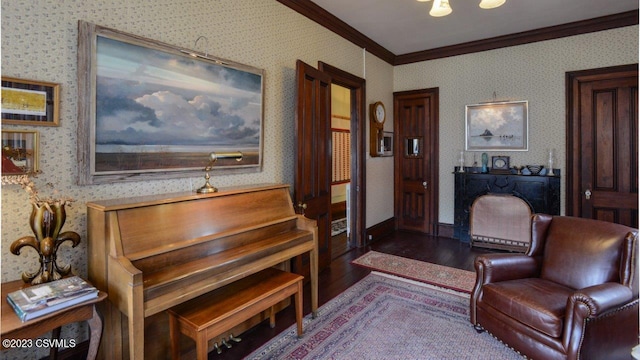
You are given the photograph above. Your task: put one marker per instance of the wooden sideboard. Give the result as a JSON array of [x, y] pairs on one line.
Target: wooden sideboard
[[541, 192]]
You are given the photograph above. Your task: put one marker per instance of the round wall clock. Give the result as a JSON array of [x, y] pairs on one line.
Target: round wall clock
[[379, 113]]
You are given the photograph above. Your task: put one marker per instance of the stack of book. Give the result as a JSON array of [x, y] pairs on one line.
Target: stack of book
[[34, 301]]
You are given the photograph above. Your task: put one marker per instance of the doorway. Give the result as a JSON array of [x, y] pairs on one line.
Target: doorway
[[350, 89], [313, 192], [416, 160], [340, 169]]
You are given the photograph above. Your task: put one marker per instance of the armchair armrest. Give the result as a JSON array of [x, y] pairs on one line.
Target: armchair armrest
[[601, 298], [501, 267], [588, 304]]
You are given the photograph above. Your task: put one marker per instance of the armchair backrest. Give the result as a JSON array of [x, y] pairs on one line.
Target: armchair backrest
[[579, 253]]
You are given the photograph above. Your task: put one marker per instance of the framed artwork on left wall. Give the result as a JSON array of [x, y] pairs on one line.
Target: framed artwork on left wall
[[30, 102], [19, 152], [148, 110]]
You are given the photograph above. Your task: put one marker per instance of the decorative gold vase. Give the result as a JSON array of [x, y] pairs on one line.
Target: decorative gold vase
[[46, 221]]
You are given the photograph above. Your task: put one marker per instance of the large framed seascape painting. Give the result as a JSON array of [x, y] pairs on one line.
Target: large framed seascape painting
[[497, 126], [149, 110]]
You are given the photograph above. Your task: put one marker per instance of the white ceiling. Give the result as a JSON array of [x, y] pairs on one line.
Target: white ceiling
[[405, 26]]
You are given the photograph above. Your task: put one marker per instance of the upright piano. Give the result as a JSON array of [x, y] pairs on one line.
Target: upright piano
[[153, 252]]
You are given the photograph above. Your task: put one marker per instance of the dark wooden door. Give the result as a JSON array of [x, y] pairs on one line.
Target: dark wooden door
[[313, 155], [416, 160], [603, 144]]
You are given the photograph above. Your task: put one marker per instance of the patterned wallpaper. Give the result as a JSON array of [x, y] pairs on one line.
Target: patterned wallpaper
[[533, 72], [379, 171], [39, 41]]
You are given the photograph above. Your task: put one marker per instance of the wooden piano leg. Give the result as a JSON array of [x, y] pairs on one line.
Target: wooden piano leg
[[136, 321], [174, 335], [201, 346], [272, 317], [313, 255], [298, 303]]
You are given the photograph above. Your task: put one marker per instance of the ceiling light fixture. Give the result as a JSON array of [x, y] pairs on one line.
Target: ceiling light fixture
[[442, 7], [491, 4]]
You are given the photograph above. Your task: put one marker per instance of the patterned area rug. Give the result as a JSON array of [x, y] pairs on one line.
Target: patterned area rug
[[338, 226], [434, 274], [386, 317]]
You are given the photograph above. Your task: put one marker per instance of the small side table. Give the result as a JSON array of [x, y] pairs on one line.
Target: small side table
[[13, 328]]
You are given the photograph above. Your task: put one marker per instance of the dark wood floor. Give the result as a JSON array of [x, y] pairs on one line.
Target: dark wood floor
[[342, 274]]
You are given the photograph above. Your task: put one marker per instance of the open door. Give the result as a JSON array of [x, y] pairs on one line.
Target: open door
[[312, 194]]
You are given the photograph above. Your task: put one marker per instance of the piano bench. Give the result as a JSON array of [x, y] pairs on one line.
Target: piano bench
[[210, 315]]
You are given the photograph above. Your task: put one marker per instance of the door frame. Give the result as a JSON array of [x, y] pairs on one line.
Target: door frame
[[573, 172], [432, 151], [358, 133]]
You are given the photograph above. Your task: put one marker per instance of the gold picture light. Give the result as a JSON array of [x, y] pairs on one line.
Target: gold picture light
[[206, 52], [207, 187]]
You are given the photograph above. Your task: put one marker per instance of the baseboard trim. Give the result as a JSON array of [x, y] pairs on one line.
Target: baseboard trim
[[445, 230], [388, 226], [380, 230]]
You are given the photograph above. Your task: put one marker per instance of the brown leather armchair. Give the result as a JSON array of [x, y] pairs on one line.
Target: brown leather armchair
[[572, 295]]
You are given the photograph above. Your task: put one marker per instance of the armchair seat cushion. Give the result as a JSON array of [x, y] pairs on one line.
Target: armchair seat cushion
[[538, 303]]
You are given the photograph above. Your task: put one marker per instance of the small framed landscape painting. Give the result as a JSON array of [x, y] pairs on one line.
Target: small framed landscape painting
[[29, 102], [497, 126], [19, 152]]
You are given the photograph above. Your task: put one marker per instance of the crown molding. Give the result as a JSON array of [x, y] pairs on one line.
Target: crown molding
[[314, 12], [331, 22], [548, 33]]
